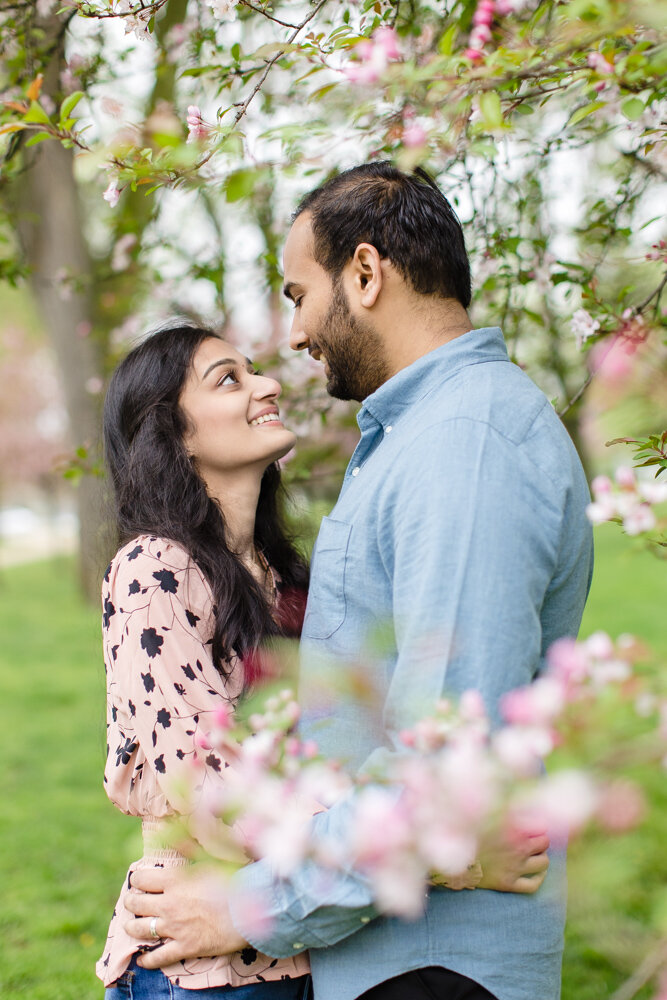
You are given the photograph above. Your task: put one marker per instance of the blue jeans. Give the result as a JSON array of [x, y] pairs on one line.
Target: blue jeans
[[151, 984]]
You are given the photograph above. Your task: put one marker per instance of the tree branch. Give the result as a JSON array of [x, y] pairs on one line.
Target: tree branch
[[654, 962], [271, 63]]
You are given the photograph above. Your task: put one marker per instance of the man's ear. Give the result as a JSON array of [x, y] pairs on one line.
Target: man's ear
[[366, 274]]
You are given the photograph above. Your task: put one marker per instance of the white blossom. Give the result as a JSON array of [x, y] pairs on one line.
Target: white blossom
[[583, 326]]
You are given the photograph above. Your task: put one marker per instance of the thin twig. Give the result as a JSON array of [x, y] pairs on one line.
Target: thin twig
[[656, 292], [271, 63], [653, 962], [264, 13]]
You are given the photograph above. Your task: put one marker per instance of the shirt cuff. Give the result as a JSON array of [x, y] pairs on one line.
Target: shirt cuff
[[275, 919]]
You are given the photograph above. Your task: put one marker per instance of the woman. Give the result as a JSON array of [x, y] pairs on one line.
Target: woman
[[205, 573]]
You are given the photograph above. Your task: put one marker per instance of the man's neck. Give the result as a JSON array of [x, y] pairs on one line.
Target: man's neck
[[421, 328]]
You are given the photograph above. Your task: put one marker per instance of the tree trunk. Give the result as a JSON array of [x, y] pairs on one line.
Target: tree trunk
[[49, 227]]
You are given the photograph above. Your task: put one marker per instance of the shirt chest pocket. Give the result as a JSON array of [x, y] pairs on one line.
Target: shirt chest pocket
[[326, 595]]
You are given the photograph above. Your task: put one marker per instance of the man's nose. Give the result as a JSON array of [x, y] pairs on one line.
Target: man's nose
[[298, 339]]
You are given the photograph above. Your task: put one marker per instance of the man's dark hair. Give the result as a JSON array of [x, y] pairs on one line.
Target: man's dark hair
[[404, 216], [158, 491]]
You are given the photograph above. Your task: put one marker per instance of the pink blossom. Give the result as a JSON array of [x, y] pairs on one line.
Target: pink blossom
[[471, 706], [601, 511], [112, 193], [640, 518], [537, 704], [598, 62], [625, 477], [484, 13], [480, 35], [473, 55], [252, 912], [120, 258], [613, 359], [621, 806], [381, 825], [387, 40], [94, 385], [224, 9], [399, 888], [522, 748], [224, 716], [599, 645], [197, 127], [601, 484], [662, 987], [414, 136], [653, 492], [374, 56], [567, 661], [563, 802], [448, 852]]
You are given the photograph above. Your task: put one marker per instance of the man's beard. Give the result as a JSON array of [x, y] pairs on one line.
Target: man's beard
[[353, 351]]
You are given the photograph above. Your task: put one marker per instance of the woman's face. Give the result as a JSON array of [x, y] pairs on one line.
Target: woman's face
[[233, 413]]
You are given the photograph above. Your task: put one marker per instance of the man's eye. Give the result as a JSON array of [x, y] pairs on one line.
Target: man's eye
[[297, 302]]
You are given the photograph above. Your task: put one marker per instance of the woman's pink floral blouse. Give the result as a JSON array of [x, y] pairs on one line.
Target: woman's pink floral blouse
[[161, 688]]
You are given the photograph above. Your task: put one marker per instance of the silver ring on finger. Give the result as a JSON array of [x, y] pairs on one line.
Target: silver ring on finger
[[152, 927]]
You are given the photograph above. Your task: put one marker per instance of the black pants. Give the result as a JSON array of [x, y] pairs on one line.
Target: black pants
[[432, 983]]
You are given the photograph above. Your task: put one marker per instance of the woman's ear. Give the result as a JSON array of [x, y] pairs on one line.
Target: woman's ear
[[366, 268]]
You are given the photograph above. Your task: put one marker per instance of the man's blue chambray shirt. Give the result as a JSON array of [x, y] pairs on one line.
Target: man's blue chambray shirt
[[457, 552]]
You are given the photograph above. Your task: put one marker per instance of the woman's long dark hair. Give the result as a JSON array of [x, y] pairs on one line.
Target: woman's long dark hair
[[158, 491]]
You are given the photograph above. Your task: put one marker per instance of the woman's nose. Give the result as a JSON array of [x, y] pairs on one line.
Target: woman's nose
[[267, 387]]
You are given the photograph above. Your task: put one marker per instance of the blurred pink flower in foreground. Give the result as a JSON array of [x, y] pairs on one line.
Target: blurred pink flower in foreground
[[629, 501], [374, 57], [424, 809], [621, 806]]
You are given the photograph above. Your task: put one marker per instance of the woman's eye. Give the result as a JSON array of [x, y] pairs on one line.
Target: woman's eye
[[229, 378]]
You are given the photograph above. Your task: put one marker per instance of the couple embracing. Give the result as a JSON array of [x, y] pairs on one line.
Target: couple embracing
[[460, 521]]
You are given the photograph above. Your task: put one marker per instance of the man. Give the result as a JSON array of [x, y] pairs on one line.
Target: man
[[461, 524]]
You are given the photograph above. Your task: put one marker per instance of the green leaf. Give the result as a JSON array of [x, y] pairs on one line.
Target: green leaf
[[39, 137], [68, 105], [37, 114], [240, 184], [491, 109], [446, 43], [236, 52], [632, 108], [584, 112]]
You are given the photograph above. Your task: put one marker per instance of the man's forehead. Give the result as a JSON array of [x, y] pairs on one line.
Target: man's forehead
[[300, 241]]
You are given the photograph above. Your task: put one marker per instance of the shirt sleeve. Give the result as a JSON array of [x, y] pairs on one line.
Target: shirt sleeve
[[469, 531], [163, 688]]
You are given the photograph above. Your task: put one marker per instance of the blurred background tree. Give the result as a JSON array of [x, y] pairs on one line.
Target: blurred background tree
[[153, 153]]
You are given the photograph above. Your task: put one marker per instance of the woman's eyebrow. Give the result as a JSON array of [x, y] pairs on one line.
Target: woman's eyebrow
[[225, 361]]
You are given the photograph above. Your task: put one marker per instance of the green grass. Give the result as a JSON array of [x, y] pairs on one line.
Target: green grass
[[62, 845], [64, 849]]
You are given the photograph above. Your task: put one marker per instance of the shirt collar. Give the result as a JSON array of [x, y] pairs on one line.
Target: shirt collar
[[411, 384]]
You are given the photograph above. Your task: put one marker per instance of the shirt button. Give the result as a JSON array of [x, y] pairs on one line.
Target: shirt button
[[355, 471], [389, 429]]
